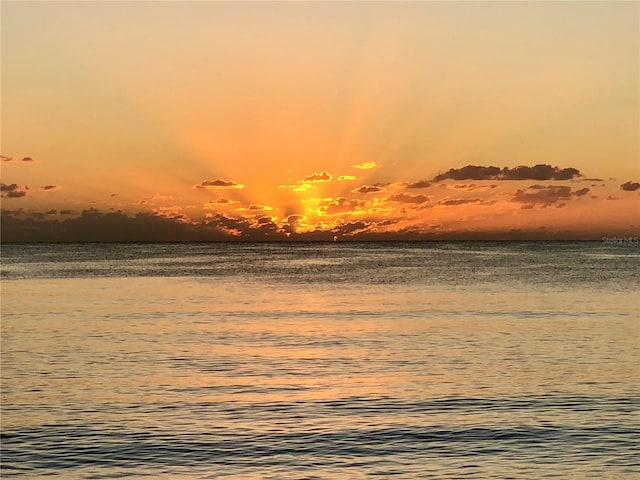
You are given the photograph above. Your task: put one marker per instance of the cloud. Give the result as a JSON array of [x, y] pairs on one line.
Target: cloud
[[545, 196], [161, 197], [540, 172], [471, 187], [318, 177], [630, 186], [174, 212], [8, 188], [368, 189], [291, 223], [365, 165], [241, 228], [11, 213], [93, 225], [255, 207], [351, 228], [342, 205], [406, 198], [4, 158], [217, 184], [47, 188], [13, 190], [295, 218], [217, 203], [419, 184], [299, 187], [537, 172], [346, 178], [459, 201], [470, 172]]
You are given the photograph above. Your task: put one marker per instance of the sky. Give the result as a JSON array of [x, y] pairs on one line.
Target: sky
[[319, 120]]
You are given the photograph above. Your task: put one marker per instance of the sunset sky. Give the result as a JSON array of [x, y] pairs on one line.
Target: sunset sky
[[319, 120]]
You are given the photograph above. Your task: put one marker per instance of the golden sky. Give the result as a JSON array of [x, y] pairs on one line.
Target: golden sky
[[267, 119]]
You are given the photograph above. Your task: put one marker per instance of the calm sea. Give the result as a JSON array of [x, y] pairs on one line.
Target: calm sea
[[321, 361]]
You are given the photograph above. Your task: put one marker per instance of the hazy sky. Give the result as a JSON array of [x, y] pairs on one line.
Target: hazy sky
[[285, 117]]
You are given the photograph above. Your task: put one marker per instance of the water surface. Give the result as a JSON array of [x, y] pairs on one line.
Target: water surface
[[324, 361]]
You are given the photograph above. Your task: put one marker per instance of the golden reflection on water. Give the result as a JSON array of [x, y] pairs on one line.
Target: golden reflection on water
[[200, 355], [105, 340]]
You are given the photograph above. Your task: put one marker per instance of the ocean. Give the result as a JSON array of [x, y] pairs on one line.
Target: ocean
[[320, 361]]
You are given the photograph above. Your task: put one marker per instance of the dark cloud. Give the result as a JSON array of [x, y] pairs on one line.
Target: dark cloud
[[318, 177], [51, 212], [630, 186], [368, 189], [95, 226], [537, 172], [470, 172], [213, 184], [351, 228], [470, 187], [459, 201], [4, 158], [49, 187], [291, 223], [406, 198], [295, 218], [11, 213], [114, 195], [419, 184], [13, 190], [544, 196], [66, 212]]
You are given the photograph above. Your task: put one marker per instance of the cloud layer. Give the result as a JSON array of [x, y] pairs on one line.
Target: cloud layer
[[539, 195], [217, 184], [537, 172]]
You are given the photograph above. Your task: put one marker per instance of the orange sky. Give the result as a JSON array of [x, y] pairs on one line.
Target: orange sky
[[263, 120]]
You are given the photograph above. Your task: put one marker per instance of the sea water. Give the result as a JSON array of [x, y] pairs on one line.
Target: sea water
[[320, 361]]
